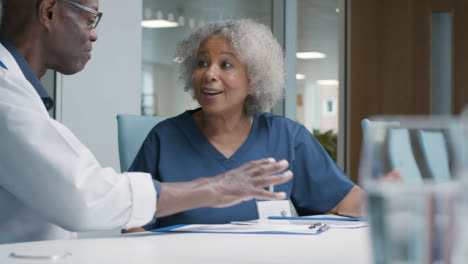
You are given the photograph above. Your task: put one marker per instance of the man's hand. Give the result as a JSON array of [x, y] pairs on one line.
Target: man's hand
[[248, 181], [244, 183]]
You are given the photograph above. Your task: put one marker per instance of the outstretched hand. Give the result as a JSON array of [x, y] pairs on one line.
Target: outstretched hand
[[248, 182], [242, 184]]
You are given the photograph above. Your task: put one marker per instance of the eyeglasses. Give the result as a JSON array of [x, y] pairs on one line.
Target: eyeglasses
[[97, 15]]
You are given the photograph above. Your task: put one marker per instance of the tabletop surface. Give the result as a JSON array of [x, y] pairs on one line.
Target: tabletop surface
[[332, 246]]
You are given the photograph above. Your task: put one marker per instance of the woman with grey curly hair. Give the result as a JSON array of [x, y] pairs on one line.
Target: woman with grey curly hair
[[255, 46], [235, 70]]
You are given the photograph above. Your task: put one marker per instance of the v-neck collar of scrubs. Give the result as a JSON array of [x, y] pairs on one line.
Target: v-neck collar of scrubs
[[205, 144]]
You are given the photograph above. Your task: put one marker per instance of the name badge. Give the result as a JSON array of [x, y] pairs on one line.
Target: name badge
[[273, 208]]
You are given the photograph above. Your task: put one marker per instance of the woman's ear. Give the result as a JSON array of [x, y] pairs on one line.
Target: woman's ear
[[46, 12]]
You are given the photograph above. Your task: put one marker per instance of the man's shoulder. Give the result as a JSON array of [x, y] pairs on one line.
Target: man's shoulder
[[2, 65], [3, 71], [10, 79]]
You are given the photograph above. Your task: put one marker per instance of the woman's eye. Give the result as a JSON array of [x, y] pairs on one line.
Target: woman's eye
[[202, 63], [226, 64]]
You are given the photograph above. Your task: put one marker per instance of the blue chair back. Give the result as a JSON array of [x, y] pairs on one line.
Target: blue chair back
[[401, 155], [374, 141], [132, 131], [373, 134], [435, 155]]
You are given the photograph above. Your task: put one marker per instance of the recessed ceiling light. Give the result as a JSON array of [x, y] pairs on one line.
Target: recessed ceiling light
[[328, 82], [310, 55], [300, 76], [158, 23]]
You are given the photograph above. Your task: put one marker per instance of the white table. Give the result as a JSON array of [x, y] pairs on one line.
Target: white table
[[333, 246]]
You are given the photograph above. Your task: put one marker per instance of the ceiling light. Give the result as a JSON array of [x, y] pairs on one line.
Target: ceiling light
[[310, 55], [158, 23], [300, 76], [328, 82]]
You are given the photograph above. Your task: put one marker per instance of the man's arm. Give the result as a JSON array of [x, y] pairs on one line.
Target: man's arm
[[47, 168], [242, 184]]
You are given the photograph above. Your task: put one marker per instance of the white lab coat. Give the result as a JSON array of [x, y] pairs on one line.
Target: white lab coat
[[49, 181]]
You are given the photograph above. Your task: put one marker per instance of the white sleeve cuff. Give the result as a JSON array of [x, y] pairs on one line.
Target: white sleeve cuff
[[143, 199]]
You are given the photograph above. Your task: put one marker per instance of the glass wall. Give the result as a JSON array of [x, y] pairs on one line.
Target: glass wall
[[165, 22], [317, 74], [49, 83]]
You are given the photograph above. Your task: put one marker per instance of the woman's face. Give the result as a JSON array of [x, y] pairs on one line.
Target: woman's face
[[220, 78]]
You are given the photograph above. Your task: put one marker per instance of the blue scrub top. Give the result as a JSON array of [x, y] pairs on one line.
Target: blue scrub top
[[176, 151]]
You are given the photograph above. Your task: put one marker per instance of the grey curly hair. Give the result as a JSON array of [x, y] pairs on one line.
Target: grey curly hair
[[257, 48]]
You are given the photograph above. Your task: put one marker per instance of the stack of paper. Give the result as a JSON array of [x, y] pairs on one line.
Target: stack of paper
[[258, 228], [333, 221], [311, 225]]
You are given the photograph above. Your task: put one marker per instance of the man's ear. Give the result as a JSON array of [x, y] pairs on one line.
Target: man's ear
[[47, 12]]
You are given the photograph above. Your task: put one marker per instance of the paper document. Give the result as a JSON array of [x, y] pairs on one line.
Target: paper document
[[306, 225], [333, 221], [257, 228]]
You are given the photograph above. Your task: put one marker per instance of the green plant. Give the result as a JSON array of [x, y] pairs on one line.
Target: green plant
[[328, 140]]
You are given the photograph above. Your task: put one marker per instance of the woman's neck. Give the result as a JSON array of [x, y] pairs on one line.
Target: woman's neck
[[226, 132], [227, 123]]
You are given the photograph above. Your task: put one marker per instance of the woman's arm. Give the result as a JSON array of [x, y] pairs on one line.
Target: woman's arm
[[351, 203]]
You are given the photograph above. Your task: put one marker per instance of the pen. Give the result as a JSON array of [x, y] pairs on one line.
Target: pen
[[271, 188], [319, 226]]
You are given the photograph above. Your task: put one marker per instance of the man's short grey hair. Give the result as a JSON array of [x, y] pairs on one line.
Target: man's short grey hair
[[257, 48]]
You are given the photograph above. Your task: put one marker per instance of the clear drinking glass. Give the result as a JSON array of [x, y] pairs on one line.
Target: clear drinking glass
[[419, 217]]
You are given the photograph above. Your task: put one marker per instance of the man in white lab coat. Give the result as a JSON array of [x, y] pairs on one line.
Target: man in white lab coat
[[51, 185]]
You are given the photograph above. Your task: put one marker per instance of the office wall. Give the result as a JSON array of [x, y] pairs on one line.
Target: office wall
[[89, 101]]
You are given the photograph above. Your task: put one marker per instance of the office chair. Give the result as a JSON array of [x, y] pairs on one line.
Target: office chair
[[435, 154], [132, 131], [401, 155], [374, 141], [373, 132]]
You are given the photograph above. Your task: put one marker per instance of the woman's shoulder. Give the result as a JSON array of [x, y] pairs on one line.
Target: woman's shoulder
[[171, 124], [279, 122]]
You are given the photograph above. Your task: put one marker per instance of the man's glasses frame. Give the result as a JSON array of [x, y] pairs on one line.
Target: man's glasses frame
[[97, 14]]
